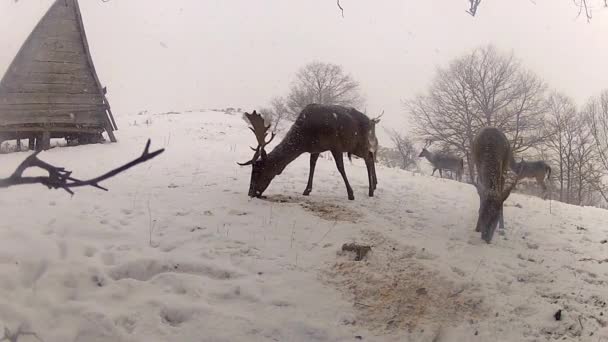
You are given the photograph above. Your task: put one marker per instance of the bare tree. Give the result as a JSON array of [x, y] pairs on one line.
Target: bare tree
[[483, 88], [405, 148], [322, 83], [561, 125], [584, 7], [596, 112]]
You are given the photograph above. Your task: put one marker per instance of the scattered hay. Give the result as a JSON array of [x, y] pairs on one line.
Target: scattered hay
[[392, 291]]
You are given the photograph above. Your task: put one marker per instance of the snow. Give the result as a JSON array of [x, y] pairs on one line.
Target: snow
[[176, 251]]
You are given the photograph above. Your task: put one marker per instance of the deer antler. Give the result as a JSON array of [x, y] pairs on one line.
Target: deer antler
[[377, 119], [260, 130], [428, 143]]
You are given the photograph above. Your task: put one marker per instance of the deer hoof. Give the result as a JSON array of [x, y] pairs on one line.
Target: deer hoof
[[306, 192], [371, 194], [351, 197]]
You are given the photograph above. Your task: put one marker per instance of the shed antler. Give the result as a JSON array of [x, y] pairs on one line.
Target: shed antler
[[260, 130]]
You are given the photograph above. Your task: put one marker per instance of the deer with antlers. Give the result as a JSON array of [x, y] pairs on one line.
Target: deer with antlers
[[318, 128], [442, 162], [492, 155]]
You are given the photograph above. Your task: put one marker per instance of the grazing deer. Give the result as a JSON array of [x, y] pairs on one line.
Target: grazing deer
[[492, 154], [318, 128], [538, 170], [443, 162]]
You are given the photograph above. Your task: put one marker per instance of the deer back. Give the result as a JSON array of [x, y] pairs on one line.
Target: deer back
[[491, 153], [321, 128], [446, 161]]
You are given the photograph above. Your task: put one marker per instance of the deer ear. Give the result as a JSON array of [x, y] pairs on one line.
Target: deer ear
[[254, 113]]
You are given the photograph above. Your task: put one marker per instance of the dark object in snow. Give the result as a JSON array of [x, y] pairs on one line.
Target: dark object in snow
[[361, 250], [558, 315], [603, 241], [60, 178], [317, 129], [358, 337]]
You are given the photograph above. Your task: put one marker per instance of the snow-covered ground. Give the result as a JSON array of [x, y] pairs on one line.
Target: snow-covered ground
[[176, 251]]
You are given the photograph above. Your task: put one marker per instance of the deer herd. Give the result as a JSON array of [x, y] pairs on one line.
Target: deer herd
[[338, 129]]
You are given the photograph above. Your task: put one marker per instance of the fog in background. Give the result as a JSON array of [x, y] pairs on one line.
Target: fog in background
[[190, 54]]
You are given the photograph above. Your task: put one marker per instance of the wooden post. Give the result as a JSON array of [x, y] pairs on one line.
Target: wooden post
[[46, 140], [19, 144], [111, 134], [31, 143]]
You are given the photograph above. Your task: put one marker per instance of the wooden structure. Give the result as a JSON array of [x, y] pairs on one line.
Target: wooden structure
[[51, 89]]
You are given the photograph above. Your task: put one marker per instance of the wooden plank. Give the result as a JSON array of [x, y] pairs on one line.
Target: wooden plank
[[47, 107], [50, 78], [59, 44], [82, 118], [58, 68], [89, 129], [60, 56], [53, 88], [68, 35], [46, 98]]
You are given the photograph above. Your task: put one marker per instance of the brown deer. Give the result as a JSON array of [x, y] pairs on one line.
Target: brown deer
[[443, 162], [318, 128], [491, 154], [537, 169]]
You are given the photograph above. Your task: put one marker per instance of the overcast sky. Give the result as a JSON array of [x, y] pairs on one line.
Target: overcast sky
[[182, 54]]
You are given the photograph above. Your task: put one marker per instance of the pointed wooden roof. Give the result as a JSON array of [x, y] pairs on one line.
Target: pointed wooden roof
[[52, 81]]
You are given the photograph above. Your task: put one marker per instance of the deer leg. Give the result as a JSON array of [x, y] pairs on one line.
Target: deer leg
[[369, 163], [434, 169], [311, 173], [440, 174], [373, 158], [340, 165], [501, 219], [375, 178]]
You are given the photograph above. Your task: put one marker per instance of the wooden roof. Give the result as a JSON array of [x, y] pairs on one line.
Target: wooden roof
[[52, 81]]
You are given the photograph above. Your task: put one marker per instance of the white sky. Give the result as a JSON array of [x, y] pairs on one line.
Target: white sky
[[182, 54]]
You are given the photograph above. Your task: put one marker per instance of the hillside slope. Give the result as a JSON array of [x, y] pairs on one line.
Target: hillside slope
[[176, 251]]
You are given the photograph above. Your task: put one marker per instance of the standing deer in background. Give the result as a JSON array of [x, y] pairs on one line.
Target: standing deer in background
[[318, 128], [443, 162], [538, 170], [491, 153]]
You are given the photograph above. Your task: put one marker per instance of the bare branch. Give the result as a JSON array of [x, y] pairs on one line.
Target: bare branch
[[473, 9], [60, 178], [340, 7]]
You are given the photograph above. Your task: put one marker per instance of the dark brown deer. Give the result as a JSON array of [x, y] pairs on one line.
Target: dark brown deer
[[442, 162], [318, 128], [537, 169], [491, 155]]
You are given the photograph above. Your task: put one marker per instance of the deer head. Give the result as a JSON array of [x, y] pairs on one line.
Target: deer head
[[259, 179], [424, 151]]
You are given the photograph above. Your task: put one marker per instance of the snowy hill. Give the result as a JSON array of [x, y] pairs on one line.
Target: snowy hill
[[176, 251]]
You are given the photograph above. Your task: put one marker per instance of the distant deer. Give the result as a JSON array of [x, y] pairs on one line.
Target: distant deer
[[442, 161], [492, 154], [318, 128], [538, 170]]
